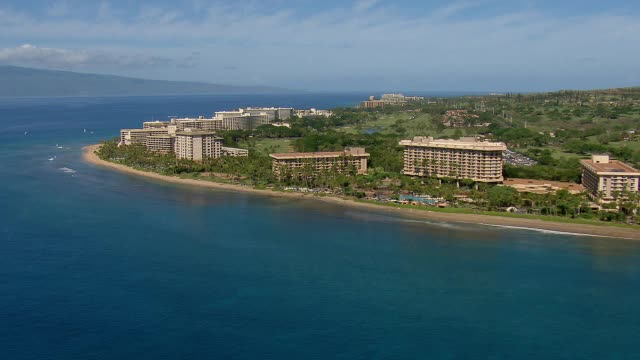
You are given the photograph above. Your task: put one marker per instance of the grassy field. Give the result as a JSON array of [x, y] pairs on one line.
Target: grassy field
[[413, 123], [268, 146], [633, 145]]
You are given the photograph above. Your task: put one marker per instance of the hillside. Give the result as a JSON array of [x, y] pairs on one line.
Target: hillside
[[20, 81]]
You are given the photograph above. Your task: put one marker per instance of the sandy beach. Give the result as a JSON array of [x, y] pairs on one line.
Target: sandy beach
[[592, 230]]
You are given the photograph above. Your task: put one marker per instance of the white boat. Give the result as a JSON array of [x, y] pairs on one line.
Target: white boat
[[51, 159]]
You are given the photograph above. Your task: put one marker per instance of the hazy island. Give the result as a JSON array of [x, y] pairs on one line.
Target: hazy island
[[560, 161], [21, 81]]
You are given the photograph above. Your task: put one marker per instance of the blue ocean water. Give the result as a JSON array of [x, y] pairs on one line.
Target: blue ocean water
[[101, 265]]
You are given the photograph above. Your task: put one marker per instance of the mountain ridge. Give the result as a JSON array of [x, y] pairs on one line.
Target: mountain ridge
[[20, 81]]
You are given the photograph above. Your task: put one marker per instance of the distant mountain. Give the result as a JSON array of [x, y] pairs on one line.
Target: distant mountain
[[20, 81]]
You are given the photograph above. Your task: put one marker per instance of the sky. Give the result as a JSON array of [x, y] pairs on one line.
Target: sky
[[330, 45]]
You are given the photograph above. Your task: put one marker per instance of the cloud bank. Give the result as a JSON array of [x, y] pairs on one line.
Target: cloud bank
[[362, 45]]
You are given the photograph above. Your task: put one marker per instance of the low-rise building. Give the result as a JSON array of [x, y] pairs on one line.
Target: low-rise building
[[197, 145], [607, 179], [313, 112], [234, 152], [466, 158], [339, 161], [542, 186]]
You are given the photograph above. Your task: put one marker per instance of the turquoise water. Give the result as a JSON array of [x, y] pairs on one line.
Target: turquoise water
[[101, 265]]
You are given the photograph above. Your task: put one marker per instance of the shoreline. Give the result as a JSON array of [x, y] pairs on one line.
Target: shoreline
[[477, 219]]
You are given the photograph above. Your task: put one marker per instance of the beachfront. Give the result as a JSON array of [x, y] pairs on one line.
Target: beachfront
[[576, 228]]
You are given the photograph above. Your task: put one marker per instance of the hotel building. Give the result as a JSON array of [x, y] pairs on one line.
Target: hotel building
[[240, 120], [200, 123], [466, 158], [338, 161], [155, 124], [234, 152], [139, 136], [312, 112], [372, 103], [605, 178], [273, 113], [197, 145], [160, 143]]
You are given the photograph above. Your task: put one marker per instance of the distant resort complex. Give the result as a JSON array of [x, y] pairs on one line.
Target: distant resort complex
[[195, 138], [450, 170]]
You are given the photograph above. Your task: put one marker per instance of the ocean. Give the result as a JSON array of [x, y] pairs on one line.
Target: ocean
[[96, 264]]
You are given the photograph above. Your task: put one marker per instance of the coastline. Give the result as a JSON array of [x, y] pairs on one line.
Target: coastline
[[478, 219]]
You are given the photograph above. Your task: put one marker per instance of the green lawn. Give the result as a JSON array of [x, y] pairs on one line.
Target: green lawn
[[268, 146]]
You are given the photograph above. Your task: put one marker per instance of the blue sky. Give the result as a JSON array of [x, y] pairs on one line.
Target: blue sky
[[485, 45]]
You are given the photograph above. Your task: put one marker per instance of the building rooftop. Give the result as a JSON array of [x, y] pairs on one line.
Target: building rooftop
[[315, 155], [611, 166], [470, 143]]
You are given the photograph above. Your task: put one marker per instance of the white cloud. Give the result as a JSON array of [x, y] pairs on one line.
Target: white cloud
[[30, 55], [281, 44], [364, 5], [58, 8]]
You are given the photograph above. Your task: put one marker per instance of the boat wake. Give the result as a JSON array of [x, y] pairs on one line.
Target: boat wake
[[67, 170]]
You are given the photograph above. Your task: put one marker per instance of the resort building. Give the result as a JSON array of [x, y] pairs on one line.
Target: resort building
[[197, 145], [313, 112], [606, 179], [139, 136], [200, 123], [466, 158], [155, 124], [273, 113], [372, 103], [160, 143], [234, 152], [340, 161], [240, 120], [399, 99]]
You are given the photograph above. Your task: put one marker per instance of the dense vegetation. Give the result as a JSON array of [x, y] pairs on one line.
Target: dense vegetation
[[555, 129]]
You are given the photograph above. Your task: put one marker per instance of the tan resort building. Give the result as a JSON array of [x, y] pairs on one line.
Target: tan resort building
[[605, 178], [339, 161], [466, 158]]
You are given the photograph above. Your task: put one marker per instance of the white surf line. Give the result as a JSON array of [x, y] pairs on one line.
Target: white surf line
[[551, 231]]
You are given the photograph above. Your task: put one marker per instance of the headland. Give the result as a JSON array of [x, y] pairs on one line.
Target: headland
[[549, 224]]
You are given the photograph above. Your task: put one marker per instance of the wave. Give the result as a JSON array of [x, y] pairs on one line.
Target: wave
[[67, 170], [545, 231]]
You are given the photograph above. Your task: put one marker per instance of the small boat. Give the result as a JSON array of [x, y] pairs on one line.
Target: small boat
[[58, 146], [85, 130], [51, 159], [26, 132]]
